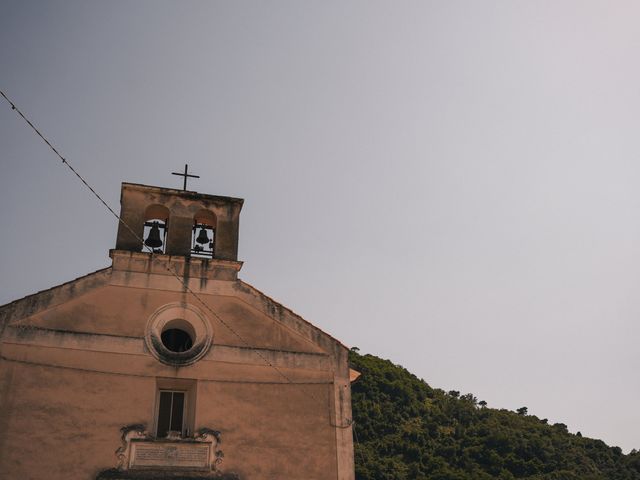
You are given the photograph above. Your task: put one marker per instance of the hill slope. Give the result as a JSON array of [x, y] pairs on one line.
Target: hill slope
[[408, 430]]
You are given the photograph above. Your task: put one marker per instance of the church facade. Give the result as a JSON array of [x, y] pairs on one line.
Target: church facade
[[166, 365]]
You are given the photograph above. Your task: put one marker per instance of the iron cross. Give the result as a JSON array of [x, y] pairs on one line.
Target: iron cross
[[185, 175]]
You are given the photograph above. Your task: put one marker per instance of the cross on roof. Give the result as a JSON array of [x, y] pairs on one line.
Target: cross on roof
[[185, 175]]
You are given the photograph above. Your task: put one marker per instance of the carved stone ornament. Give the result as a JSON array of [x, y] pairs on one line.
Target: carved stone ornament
[[141, 451]]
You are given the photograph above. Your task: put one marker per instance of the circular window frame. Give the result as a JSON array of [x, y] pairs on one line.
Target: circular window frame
[[177, 315]]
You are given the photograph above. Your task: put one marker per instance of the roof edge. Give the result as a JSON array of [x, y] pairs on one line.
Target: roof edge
[[15, 307], [298, 317], [182, 193]]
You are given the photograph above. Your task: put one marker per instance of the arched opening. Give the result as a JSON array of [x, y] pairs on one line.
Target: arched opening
[[156, 219], [203, 235]]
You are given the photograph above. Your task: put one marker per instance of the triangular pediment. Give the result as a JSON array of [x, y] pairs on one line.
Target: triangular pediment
[[240, 315]]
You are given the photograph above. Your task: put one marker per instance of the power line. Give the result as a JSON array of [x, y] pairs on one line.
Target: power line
[[138, 375], [173, 272], [64, 160], [355, 437]]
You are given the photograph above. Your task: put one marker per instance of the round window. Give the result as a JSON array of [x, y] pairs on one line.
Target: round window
[[176, 340], [178, 334]]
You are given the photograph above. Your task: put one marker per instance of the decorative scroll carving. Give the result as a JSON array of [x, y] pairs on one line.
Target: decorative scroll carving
[[213, 436], [129, 432], [139, 450]]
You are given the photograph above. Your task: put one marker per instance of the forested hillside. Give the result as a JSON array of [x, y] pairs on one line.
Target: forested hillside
[[408, 430]]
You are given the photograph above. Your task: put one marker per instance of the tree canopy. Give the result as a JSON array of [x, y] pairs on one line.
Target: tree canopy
[[406, 430]]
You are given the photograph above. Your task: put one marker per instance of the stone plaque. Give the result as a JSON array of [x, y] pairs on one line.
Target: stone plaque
[[194, 456]]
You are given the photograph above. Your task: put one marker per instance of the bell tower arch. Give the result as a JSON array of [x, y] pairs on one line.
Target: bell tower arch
[[203, 243], [155, 228], [178, 223]]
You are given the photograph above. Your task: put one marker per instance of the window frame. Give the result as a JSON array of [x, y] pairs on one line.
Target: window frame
[[185, 402], [188, 388]]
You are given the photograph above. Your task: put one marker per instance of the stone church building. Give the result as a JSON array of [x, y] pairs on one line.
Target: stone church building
[[166, 365]]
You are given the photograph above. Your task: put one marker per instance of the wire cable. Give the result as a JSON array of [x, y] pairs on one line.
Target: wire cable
[[183, 282], [357, 443]]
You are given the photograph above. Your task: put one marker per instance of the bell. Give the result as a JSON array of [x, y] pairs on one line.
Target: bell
[[153, 240], [202, 236]]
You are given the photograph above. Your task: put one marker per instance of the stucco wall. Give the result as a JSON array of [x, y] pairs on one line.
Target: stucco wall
[[55, 421], [124, 311], [60, 424], [76, 369]]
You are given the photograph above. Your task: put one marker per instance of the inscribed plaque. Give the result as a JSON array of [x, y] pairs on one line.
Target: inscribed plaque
[[170, 454]]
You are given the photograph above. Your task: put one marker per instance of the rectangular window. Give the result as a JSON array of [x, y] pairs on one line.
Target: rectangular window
[[171, 412], [175, 406]]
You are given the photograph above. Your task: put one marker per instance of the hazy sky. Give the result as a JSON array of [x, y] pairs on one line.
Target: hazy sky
[[452, 185]]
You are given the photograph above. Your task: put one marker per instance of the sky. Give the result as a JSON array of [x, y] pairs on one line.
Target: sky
[[452, 185]]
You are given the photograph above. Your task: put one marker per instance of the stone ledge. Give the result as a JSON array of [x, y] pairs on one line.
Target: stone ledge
[[157, 474], [185, 267]]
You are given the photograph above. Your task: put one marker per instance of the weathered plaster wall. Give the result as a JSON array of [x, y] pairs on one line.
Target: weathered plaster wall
[[272, 431], [76, 369], [123, 311], [60, 424], [57, 419]]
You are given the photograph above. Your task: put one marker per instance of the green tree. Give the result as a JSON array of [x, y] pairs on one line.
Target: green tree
[[408, 430]]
